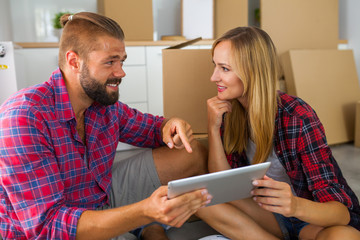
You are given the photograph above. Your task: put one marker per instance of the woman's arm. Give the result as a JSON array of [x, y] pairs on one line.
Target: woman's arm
[[277, 197], [322, 214], [217, 159]]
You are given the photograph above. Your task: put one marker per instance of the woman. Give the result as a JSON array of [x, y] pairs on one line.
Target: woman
[[304, 194]]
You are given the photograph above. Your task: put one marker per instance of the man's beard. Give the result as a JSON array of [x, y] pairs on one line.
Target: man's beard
[[96, 91]]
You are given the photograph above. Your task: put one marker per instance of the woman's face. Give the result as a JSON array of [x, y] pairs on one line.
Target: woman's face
[[229, 85]]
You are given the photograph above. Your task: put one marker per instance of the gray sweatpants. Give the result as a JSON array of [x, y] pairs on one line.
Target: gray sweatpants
[[133, 179]]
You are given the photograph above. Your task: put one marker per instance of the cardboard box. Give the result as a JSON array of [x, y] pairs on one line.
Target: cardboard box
[[301, 24], [328, 81], [230, 14], [357, 125], [186, 84], [134, 17]]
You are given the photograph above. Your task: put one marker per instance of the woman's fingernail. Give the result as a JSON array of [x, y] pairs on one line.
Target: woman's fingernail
[[255, 182], [169, 144], [203, 192]]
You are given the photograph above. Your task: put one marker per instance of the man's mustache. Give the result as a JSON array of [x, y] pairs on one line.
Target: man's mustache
[[114, 81]]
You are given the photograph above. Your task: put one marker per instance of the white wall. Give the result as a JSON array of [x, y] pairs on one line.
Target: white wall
[[167, 18], [31, 21], [349, 29], [5, 24]]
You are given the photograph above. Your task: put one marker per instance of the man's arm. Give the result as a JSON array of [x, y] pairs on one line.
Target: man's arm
[[146, 130], [113, 222], [31, 179], [137, 128]]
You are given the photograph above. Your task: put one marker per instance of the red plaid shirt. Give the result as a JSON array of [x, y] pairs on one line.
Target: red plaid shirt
[[48, 176], [301, 146]]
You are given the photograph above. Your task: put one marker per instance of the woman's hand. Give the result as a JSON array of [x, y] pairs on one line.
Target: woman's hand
[[275, 196], [216, 108]]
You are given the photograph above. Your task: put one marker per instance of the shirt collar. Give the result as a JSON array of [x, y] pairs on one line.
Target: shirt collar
[[63, 107]]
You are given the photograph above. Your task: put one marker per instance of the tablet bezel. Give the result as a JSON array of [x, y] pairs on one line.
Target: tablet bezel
[[224, 186]]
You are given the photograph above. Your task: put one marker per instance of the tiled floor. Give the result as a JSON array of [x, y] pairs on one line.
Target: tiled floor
[[348, 158]]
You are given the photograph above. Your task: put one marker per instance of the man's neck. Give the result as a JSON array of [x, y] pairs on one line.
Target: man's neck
[[78, 98]]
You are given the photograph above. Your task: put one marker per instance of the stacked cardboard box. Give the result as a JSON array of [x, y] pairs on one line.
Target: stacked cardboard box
[[327, 80], [186, 84], [230, 14], [301, 24], [357, 125], [305, 33], [136, 17]]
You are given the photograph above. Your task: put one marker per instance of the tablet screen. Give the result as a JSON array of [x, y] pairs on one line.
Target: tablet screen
[[224, 186]]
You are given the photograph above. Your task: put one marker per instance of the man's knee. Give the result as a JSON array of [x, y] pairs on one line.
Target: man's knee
[[200, 146], [178, 163], [200, 151]]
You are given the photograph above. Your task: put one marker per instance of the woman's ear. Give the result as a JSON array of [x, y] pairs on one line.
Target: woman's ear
[[73, 60]]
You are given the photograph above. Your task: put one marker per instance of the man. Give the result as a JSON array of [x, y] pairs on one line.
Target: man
[[58, 142]]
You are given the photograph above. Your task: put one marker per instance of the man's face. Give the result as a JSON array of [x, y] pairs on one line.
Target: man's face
[[101, 74]]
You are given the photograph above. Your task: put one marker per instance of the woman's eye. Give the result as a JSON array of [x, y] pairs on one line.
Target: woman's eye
[[225, 69], [110, 62]]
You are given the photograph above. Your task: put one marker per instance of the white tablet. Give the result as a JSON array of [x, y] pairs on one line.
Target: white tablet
[[224, 186]]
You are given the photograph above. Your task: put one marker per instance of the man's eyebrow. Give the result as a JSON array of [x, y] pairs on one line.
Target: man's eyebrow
[[117, 57]]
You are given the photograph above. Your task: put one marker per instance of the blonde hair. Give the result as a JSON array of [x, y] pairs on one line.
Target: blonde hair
[[82, 31], [255, 62]]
